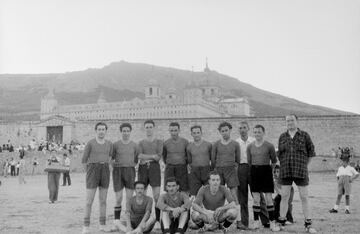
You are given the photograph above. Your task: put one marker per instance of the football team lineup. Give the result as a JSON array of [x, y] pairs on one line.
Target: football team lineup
[[204, 188]]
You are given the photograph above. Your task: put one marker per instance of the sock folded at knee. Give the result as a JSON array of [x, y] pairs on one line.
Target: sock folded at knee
[[256, 210], [86, 222], [347, 200], [271, 212], [117, 212], [102, 220]]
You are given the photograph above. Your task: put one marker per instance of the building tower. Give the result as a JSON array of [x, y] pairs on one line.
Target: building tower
[[101, 99], [48, 105], [152, 90]]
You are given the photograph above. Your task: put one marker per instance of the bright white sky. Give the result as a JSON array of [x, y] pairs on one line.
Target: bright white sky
[[307, 50]]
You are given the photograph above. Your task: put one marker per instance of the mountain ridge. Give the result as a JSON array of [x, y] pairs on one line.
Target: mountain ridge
[[123, 81]]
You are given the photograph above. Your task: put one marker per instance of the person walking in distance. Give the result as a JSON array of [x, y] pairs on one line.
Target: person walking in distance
[[295, 152], [96, 157], [149, 172]]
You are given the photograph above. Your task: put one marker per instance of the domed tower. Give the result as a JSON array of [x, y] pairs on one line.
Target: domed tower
[[152, 90], [48, 105], [101, 99]]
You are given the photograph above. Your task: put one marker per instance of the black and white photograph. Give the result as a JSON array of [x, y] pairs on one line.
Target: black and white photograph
[[179, 116]]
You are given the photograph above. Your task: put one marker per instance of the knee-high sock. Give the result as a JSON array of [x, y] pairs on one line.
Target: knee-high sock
[[271, 212], [256, 210], [117, 212], [157, 214]]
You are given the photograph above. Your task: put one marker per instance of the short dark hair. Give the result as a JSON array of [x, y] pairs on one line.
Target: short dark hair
[[224, 124], [276, 167], [139, 182], [149, 121], [174, 124], [101, 123], [245, 123], [214, 172], [260, 126], [171, 179], [292, 115], [194, 127], [125, 125]]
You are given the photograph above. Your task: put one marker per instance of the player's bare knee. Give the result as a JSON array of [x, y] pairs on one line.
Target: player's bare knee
[[195, 216], [231, 213]]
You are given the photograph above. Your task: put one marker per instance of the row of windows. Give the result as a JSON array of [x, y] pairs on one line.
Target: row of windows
[[131, 115]]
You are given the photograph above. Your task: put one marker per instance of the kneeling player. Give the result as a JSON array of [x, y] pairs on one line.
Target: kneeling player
[[175, 207], [138, 212], [209, 206]]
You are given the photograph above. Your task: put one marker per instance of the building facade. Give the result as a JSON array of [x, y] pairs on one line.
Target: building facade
[[196, 101]]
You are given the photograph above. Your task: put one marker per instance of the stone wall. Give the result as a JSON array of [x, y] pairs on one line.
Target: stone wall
[[327, 132], [318, 164]]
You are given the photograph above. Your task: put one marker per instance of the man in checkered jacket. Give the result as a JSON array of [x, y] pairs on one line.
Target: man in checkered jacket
[[295, 152]]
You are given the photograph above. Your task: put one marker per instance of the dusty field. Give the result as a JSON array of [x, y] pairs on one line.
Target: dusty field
[[25, 208]]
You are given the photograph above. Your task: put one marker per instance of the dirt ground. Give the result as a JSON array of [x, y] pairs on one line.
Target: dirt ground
[[25, 208]]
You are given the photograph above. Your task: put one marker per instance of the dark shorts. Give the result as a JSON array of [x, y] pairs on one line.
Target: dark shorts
[[150, 174], [180, 172], [135, 224], [297, 181], [123, 177], [97, 175], [228, 176], [197, 178], [261, 179]]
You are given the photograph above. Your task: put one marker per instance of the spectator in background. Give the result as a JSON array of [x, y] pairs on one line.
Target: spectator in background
[[6, 167], [12, 167], [53, 179], [11, 148], [357, 167], [34, 166], [21, 170], [18, 168], [66, 175]]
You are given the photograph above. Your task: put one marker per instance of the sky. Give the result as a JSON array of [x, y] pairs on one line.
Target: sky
[[307, 49]]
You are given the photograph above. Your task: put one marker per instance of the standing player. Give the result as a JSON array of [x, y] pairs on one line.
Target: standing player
[[244, 181], [174, 156], [198, 157], [125, 155], [97, 154], [209, 206], [175, 207], [259, 154], [226, 156], [150, 151]]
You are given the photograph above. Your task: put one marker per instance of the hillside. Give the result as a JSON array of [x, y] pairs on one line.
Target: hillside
[[124, 81]]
